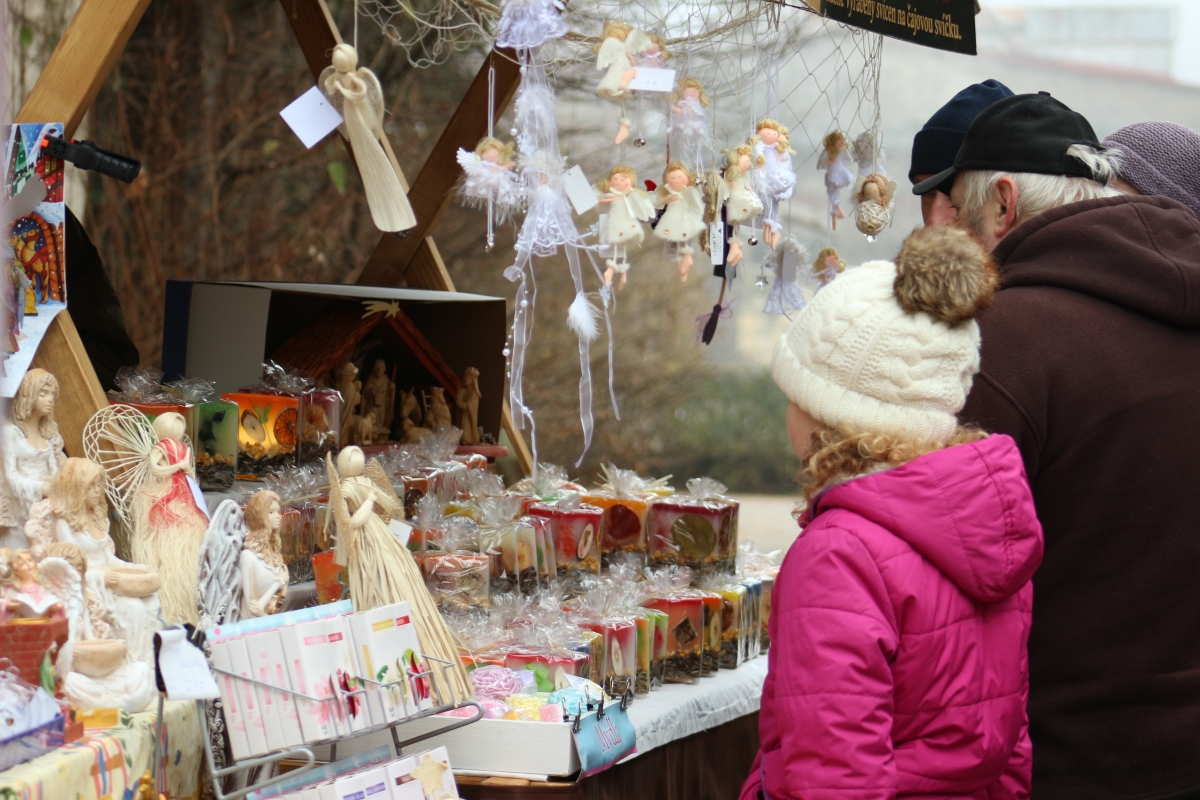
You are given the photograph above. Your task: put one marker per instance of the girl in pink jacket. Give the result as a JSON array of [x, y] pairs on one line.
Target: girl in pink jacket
[[900, 616]]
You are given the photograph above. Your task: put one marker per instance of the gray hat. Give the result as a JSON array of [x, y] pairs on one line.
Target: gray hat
[[1160, 158]]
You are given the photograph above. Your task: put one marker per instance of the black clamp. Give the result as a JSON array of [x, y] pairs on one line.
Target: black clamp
[[600, 710]]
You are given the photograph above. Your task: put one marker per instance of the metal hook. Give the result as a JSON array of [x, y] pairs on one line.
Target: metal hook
[[575, 726], [626, 699], [600, 710]]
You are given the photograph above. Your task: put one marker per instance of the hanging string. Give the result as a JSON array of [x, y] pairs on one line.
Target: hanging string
[[356, 26], [491, 120]]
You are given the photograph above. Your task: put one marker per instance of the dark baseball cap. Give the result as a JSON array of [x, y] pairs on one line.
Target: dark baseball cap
[[936, 144], [1022, 133]]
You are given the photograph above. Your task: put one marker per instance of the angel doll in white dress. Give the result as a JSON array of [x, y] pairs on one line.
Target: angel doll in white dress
[[835, 160], [615, 54], [688, 134], [790, 263], [683, 215], [357, 95], [777, 179], [242, 574], [526, 24], [489, 177], [628, 208], [33, 452], [741, 202]]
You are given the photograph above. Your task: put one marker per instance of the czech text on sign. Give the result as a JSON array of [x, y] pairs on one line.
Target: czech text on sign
[[943, 24], [605, 741]]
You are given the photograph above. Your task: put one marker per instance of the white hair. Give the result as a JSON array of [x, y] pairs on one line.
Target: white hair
[[1038, 193]]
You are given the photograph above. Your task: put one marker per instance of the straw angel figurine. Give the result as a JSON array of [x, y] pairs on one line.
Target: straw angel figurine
[[683, 216], [357, 95], [628, 208]]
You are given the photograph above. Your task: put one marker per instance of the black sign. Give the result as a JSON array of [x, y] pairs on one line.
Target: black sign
[[942, 24]]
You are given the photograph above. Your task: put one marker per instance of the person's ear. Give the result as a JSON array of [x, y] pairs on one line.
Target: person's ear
[[1005, 194]]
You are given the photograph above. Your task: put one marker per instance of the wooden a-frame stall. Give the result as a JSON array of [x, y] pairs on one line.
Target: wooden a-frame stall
[[82, 62]]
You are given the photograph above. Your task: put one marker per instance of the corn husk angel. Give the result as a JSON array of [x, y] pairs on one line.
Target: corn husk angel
[[628, 207], [835, 160], [489, 179], [790, 264], [689, 136], [616, 54], [742, 203], [381, 569], [682, 219], [357, 95], [776, 180]]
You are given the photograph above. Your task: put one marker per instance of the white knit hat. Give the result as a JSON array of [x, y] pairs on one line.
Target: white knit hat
[[857, 358]]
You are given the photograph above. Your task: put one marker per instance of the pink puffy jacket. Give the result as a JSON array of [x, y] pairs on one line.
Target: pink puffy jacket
[[898, 629]]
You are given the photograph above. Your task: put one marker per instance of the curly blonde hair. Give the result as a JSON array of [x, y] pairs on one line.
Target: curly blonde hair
[[261, 538], [822, 254], [690, 83], [831, 143], [625, 170], [27, 393], [838, 455], [734, 155], [69, 494], [506, 150], [658, 40], [613, 28]]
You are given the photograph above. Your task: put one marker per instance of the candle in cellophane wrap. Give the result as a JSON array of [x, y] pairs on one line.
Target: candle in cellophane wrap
[[646, 627], [267, 433], [685, 636], [625, 497], [710, 659], [510, 544], [620, 654], [697, 530], [576, 529], [546, 563], [753, 616]]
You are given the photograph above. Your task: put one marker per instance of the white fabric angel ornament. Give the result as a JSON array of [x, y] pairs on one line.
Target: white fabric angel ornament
[[615, 54], [741, 202], [489, 178], [357, 95], [682, 219], [835, 160], [688, 134], [788, 262], [526, 24], [628, 208], [827, 266], [776, 179]]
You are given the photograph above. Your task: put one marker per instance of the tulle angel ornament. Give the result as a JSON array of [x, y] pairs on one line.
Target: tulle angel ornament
[[616, 54], [742, 203], [788, 261], [688, 134], [628, 208], [683, 213], [835, 160], [526, 24], [776, 180], [357, 95], [489, 178], [827, 266]]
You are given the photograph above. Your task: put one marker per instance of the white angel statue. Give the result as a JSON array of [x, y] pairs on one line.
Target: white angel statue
[[615, 54], [357, 95], [490, 180], [789, 260]]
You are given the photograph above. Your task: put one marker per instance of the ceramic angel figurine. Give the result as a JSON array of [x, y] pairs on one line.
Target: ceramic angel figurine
[[777, 179], [76, 513], [688, 134], [242, 574], [615, 54], [357, 95], [873, 194], [467, 400], [488, 175], [21, 594], [788, 261], [33, 451], [683, 213], [827, 266], [741, 201], [835, 160], [628, 208]]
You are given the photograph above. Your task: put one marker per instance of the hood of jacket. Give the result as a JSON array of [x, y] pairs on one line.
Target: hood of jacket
[[967, 509], [1141, 253]]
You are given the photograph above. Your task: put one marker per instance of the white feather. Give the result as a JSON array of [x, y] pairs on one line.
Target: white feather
[[582, 318]]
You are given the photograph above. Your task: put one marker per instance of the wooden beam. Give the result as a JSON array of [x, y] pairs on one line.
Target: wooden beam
[[395, 257], [81, 62], [80, 394]]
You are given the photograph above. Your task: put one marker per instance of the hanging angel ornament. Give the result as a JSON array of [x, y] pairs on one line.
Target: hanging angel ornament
[[742, 203], [776, 179], [873, 189], [651, 55], [489, 180], [628, 208], [689, 137], [827, 266], [357, 95], [615, 54], [835, 160], [682, 217], [525, 24], [788, 261]]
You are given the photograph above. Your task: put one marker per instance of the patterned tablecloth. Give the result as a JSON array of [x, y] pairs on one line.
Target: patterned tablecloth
[[106, 764]]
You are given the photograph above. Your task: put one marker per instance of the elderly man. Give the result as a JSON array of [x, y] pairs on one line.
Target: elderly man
[[1091, 361], [936, 144]]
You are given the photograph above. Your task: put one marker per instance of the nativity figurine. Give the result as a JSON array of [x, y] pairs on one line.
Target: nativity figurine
[[379, 396], [437, 413], [682, 217], [628, 208], [345, 381], [467, 400], [32, 452]]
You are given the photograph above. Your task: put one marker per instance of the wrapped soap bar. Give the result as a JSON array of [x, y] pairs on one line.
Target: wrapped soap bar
[[658, 651], [576, 529], [267, 433], [457, 580], [320, 419], [685, 636], [546, 564], [620, 654], [591, 645], [511, 545], [698, 530], [710, 658]]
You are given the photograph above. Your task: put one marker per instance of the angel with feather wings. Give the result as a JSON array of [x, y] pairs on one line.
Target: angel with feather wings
[[489, 178], [617, 52], [358, 97]]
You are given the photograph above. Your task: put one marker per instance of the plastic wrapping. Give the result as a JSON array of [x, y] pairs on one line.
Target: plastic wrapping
[[685, 622], [697, 530], [267, 433], [320, 420], [730, 637], [510, 545], [753, 616], [548, 484], [457, 580], [625, 497], [576, 529]]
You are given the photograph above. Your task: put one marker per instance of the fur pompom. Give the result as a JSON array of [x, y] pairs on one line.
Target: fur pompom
[[581, 318], [946, 273]]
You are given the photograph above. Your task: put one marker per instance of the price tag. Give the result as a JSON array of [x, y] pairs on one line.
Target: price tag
[[579, 191], [401, 530], [182, 669], [605, 741], [311, 116], [653, 79], [716, 242]]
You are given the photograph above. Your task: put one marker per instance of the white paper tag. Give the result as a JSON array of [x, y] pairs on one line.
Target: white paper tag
[[311, 116], [579, 191], [716, 242], [670, 251], [653, 79], [402, 530], [183, 668]]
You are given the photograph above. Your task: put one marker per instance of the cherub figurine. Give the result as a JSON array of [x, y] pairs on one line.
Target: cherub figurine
[[32, 452], [741, 202], [683, 213], [488, 175], [688, 133], [835, 160], [827, 266], [357, 95], [874, 195], [628, 208], [777, 179], [467, 400], [21, 594], [619, 43]]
